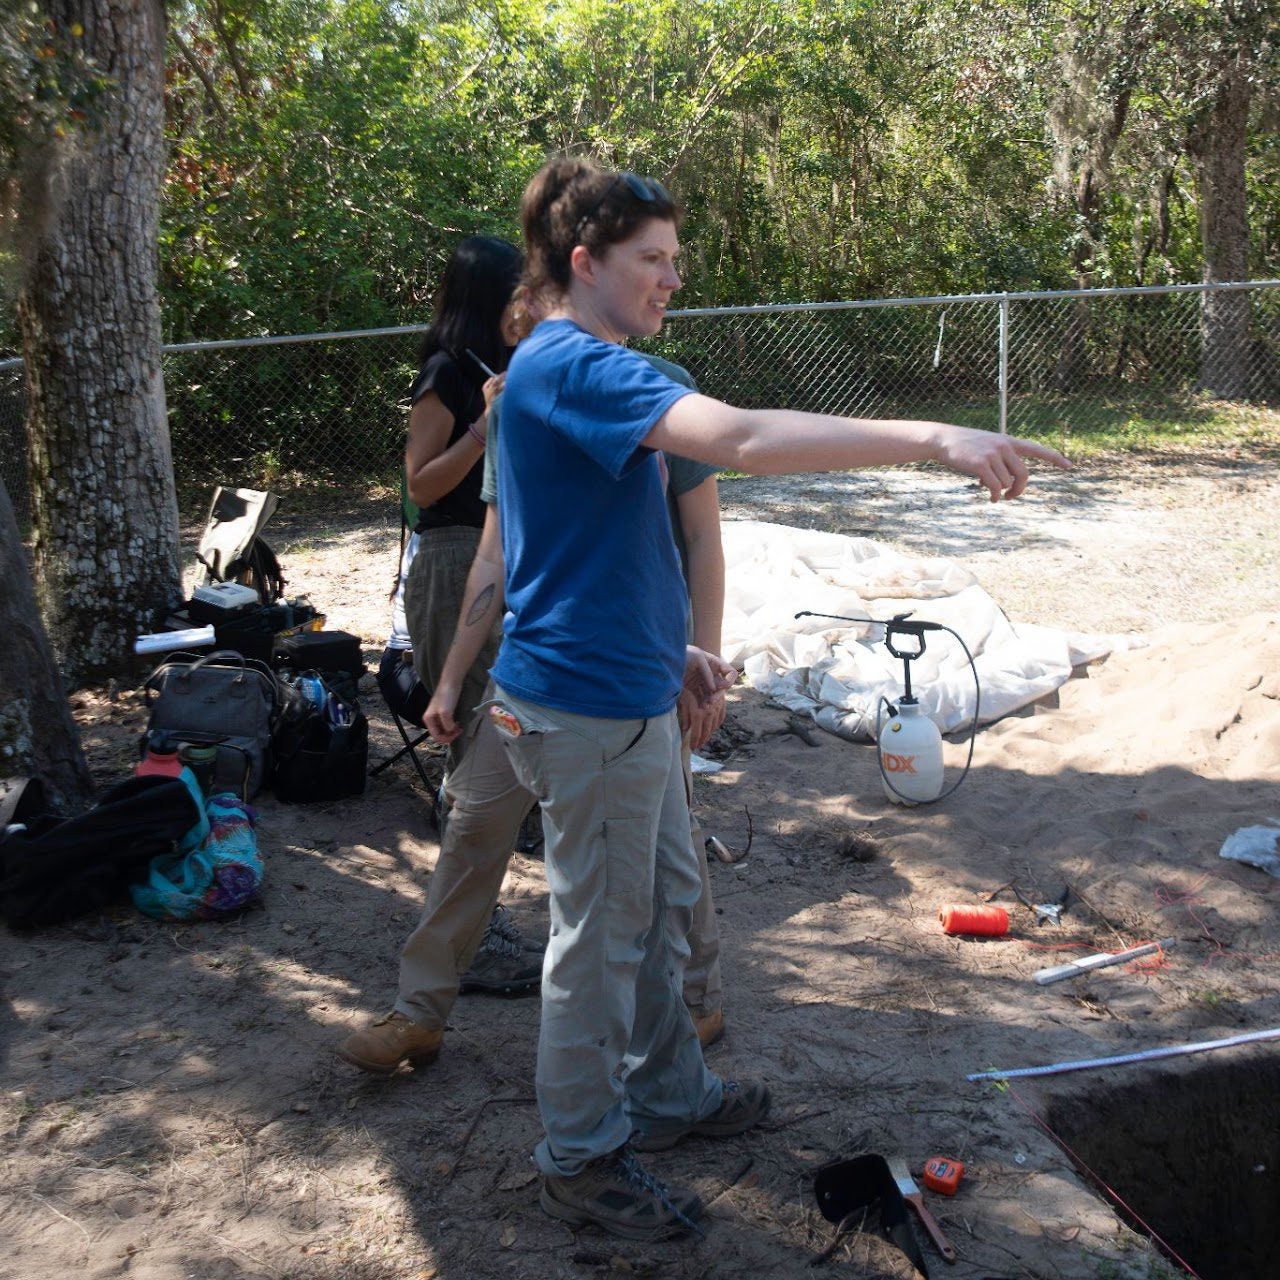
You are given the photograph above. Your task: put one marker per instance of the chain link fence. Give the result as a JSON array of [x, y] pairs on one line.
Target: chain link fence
[[326, 411]]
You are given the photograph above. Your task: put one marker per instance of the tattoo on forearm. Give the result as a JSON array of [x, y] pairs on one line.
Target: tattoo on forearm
[[480, 606]]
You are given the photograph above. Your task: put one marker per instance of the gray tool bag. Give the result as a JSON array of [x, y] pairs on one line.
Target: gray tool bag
[[222, 699]]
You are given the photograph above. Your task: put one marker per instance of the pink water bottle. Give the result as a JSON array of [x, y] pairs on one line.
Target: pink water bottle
[[161, 760]]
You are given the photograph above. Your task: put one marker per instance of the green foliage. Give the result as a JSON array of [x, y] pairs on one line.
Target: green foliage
[[326, 196], [48, 86], [327, 155]]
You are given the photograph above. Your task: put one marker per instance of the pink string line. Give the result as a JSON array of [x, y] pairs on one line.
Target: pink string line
[[1189, 900], [1107, 1188]]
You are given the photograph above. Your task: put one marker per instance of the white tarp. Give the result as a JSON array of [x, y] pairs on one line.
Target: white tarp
[[838, 671]]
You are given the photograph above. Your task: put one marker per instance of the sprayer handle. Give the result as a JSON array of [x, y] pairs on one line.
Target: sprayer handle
[[898, 627]]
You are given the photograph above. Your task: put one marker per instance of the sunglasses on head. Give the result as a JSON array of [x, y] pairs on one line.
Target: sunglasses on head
[[647, 190]]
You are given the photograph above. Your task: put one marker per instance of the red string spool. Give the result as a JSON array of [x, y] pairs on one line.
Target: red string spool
[[985, 922]]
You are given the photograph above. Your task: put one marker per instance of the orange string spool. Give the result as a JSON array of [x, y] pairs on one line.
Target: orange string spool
[[985, 922]]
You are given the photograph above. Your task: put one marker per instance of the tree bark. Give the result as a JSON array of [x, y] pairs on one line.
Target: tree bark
[[1218, 146], [37, 734], [104, 512]]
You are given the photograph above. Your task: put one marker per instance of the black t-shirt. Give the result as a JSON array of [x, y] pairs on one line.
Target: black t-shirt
[[462, 396]]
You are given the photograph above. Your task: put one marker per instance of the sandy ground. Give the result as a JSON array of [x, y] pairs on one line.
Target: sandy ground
[[171, 1106]]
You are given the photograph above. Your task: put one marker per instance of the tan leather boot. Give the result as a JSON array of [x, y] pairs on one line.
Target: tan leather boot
[[393, 1039], [710, 1027]]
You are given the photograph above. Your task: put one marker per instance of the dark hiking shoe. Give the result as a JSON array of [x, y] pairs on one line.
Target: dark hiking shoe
[[744, 1105], [503, 923], [502, 967], [618, 1194], [382, 1047]]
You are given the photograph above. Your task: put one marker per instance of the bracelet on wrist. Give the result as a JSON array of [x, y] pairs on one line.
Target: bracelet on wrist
[[475, 435]]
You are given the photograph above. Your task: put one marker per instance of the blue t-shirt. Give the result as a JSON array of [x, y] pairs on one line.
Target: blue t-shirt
[[595, 598], [683, 474]]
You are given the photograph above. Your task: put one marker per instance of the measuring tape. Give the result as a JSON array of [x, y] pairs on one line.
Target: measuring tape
[[942, 1174]]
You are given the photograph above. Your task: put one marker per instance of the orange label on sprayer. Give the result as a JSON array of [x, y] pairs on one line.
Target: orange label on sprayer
[[899, 764]]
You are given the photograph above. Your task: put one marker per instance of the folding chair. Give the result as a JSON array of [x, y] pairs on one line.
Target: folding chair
[[409, 749], [402, 697]]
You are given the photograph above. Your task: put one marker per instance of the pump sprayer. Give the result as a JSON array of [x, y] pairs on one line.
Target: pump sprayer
[[909, 746], [908, 743]]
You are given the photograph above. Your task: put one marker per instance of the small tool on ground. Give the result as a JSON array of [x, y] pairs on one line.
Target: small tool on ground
[[722, 851], [942, 1174], [1052, 912], [849, 1193], [911, 1194], [1045, 912]]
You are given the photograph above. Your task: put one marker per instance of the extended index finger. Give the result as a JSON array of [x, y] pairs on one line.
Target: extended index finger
[[1042, 452]]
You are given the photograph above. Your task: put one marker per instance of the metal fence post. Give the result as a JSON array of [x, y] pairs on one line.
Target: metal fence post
[[1004, 364]]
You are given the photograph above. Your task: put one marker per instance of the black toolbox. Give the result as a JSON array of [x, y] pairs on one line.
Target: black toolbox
[[255, 632], [221, 602], [321, 651]]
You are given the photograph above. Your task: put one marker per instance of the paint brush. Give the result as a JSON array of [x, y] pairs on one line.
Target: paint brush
[[911, 1194]]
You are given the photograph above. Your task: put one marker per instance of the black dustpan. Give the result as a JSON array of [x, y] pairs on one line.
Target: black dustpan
[[850, 1187]]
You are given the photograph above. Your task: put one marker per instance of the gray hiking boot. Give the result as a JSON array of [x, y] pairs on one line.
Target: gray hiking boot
[[743, 1106], [502, 966], [617, 1193], [503, 923]]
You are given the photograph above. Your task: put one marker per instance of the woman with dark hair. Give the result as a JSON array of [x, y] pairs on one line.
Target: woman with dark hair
[[469, 341], [593, 659]]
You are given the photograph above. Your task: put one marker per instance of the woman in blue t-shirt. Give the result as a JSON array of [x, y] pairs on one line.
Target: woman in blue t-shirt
[[592, 660]]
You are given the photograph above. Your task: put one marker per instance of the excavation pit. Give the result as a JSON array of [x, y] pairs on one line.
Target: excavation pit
[[1194, 1152]]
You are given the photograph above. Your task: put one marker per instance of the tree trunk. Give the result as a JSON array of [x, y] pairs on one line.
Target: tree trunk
[[1072, 365], [104, 513], [1218, 147], [37, 734], [1073, 360]]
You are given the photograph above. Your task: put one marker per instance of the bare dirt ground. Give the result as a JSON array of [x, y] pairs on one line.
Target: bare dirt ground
[[171, 1106]]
